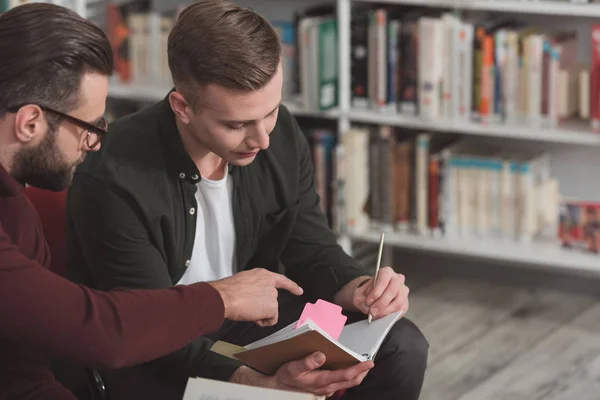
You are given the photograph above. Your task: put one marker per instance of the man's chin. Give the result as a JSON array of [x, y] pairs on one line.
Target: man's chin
[[55, 183], [242, 161], [54, 186]]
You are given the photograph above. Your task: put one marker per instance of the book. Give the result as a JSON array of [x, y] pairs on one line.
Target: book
[[206, 389], [357, 342]]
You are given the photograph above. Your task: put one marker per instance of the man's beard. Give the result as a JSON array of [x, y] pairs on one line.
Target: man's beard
[[44, 166]]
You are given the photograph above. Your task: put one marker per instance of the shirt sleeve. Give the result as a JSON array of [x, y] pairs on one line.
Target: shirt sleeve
[[98, 329], [312, 257], [119, 253]]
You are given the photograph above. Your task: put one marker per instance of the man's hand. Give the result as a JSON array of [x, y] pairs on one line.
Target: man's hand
[[389, 295], [252, 295], [304, 376]]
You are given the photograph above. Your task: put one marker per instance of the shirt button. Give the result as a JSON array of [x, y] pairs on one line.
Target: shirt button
[[192, 211], [195, 177], [187, 263], [182, 175]]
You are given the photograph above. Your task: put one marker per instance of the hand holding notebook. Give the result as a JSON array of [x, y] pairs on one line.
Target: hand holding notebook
[[343, 346]]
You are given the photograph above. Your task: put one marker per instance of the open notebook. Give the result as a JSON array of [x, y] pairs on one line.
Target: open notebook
[[357, 342]]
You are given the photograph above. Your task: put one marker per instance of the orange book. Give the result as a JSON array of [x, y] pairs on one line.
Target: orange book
[[118, 35], [487, 71]]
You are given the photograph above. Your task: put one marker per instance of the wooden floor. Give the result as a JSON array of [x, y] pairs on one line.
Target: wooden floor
[[491, 341]]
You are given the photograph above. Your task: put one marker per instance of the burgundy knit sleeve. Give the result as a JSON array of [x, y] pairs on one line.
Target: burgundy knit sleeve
[[101, 329]]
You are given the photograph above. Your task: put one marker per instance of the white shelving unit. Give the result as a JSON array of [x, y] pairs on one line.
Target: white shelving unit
[[535, 254], [575, 134], [547, 255], [562, 8], [550, 256]]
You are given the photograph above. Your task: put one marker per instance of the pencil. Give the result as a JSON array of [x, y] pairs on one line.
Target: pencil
[[378, 265]]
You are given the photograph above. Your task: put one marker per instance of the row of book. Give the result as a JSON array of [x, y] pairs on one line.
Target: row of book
[[139, 37], [439, 65], [420, 184], [411, 182]]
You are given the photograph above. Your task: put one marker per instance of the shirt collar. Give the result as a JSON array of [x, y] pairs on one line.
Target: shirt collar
[[8, 186], [179, 161]]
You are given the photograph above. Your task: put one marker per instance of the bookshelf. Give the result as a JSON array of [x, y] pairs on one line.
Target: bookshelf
[[561, 8], [574, 146]]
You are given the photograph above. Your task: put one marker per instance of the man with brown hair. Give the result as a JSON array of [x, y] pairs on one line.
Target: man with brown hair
[[217, 178]]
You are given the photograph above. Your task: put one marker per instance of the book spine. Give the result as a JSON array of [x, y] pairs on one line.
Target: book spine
[[409, 70], [359, 37], [595, 78]]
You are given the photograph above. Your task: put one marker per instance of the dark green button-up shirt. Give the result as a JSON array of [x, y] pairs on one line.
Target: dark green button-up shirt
[[132, 219]]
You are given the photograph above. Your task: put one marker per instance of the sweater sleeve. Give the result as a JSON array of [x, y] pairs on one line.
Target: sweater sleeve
[[99, 329]]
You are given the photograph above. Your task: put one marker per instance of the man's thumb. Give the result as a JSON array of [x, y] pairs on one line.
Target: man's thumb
[[305, 365], [318, 358]]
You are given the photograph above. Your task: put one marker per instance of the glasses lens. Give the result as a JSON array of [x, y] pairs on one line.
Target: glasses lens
[[102, 123], [94, 138]]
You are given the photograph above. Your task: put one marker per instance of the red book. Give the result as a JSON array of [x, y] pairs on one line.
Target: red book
[[433, 193]]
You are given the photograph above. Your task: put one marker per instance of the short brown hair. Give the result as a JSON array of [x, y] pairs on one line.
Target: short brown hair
[[44, 50], [218, 42]]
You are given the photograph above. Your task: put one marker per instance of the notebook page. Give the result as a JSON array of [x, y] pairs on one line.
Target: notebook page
[[282, 334], [364, 338]]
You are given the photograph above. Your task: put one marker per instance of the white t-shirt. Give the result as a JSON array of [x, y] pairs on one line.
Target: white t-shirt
[[214, 245]]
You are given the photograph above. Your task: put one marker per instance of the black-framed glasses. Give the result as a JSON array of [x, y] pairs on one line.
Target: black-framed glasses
[[95, 132]]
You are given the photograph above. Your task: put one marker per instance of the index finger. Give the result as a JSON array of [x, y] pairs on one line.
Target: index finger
[[282, 282]]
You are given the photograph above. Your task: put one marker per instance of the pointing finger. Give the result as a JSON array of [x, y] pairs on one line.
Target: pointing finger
[[282, 282]]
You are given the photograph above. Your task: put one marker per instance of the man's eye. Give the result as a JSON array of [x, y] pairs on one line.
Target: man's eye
[[235, 127]]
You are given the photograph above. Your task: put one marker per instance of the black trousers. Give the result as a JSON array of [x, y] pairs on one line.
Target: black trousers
[[399, 364]]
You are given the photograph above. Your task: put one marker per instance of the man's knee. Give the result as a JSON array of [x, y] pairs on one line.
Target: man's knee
[[407, 341]]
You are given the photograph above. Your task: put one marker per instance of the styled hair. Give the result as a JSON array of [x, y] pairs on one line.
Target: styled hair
[[45, 50], [218, 42]]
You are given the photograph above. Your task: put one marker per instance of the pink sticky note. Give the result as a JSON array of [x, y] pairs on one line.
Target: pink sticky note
[[326, 315]]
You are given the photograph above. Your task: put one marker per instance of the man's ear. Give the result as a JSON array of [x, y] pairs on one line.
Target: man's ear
[[180, 107], [30, 124]]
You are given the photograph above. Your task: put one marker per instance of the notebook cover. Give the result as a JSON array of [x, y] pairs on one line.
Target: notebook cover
[[268, 359]]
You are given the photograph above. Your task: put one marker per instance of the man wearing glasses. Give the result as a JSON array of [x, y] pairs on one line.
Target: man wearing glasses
[[54, 68]]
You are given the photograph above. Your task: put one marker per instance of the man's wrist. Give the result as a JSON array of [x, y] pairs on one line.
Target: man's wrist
[[246, 376], [345, 295], [226, 306]]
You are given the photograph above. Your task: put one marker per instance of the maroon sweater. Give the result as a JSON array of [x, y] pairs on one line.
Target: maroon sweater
[[43, 315]]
